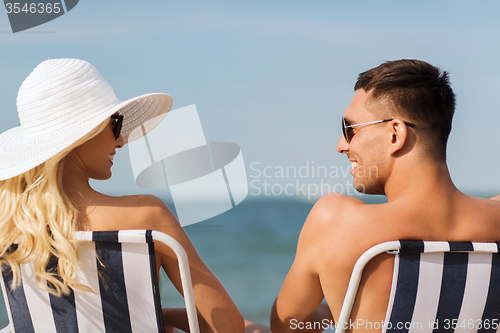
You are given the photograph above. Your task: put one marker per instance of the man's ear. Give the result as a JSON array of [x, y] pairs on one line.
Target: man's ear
[[399, 137]]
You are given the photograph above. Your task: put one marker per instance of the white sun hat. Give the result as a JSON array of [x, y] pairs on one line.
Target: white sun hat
[[60, 102]]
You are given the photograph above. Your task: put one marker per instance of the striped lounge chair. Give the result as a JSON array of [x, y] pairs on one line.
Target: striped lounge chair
[[125, 282], [436, 287]]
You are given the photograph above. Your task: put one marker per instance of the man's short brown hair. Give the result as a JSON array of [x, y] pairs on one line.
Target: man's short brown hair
[[419, 92]]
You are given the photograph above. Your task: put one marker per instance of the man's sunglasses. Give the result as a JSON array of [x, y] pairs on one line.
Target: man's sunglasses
[[349, 132], [118, 125]]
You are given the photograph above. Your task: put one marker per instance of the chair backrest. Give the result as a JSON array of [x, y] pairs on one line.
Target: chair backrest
[[123, 276], [436, 287]]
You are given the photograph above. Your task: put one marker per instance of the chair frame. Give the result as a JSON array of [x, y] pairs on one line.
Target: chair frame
[[396, 247], [187, 285], [184, 271], [392, 247]]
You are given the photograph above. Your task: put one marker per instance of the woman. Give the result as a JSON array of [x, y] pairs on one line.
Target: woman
[[71, 126]]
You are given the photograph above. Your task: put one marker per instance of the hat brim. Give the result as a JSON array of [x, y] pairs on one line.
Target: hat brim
[[20, 152], [142, 114]]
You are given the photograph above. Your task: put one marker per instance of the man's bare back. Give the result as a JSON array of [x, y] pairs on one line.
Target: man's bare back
[[423, 204], [339, 229]]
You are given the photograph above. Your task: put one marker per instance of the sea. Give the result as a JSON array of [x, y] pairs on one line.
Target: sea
[[250, 248]]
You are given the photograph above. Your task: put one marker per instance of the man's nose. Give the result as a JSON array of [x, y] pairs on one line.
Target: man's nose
[[342, 146]]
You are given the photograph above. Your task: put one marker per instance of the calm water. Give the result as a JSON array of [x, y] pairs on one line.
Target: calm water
[[250, 248]]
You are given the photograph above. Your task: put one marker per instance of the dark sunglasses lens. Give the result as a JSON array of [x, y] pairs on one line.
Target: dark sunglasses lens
[[349, 134], [346, 131], [118, 126]]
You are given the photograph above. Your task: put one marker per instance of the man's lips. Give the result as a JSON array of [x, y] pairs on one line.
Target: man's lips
[[354, 165]]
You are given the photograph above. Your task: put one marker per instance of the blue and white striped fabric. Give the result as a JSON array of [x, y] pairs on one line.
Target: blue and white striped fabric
[[445, 287], [124, 279]]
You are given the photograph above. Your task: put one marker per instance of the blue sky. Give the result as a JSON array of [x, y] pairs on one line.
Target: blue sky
[[275, 77]]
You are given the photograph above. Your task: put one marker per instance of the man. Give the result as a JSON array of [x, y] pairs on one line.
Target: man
[[395, 134]]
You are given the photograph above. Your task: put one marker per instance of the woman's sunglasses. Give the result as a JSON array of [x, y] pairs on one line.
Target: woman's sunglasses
[[349, 132], [118, 125]]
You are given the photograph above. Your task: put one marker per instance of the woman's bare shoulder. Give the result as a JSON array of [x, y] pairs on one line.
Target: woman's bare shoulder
[[139, 201], [140, 212]]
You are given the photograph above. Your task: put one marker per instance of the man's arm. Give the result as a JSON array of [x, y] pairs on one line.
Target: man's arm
[[497, 198], [299, 300]]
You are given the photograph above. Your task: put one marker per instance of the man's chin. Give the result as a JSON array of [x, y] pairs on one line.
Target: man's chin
[[366, 189]]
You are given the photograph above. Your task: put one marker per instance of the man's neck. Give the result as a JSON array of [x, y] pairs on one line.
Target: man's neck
[[424, 179]]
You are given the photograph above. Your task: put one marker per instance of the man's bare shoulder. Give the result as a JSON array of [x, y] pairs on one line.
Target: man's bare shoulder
[[334, 211], [341, 224], [331, 205], [493, 203], [482, 213]]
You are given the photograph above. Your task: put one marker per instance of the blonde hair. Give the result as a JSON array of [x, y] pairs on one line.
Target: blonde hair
[[37, 215]]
